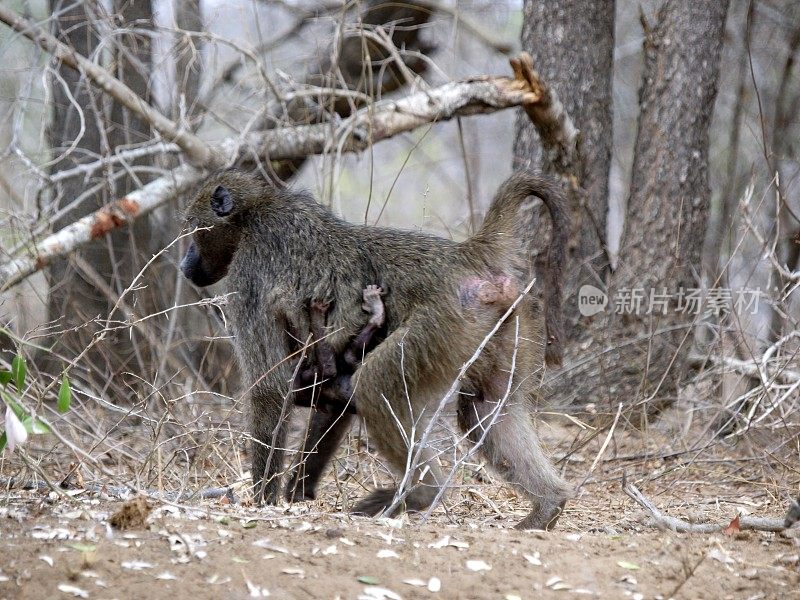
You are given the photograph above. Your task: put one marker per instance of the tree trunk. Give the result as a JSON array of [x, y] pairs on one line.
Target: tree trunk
[[635, 356], [76, 104], [74, 294], [572, 44]]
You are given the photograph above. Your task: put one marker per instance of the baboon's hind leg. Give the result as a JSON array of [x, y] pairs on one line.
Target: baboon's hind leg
[[512, 448], [394, 412], [322, 440]]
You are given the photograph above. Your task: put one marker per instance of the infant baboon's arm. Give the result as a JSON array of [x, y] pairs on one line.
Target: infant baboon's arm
[[336, 374], [363, 342]]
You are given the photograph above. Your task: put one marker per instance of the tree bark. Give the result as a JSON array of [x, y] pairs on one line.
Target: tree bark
[[634, 356], [75, 118], [115, 257], [572, 44]]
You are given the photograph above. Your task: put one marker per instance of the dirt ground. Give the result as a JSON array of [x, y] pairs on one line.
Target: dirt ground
[[605, 546], [54, 548]]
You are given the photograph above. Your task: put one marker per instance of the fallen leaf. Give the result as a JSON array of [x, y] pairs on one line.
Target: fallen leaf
[[478, 565], [330, 550], [368, 579], [72, 590], [166, 576], [628, 565], [555, 579], [733, 526], [533, 559], [255, 590], [136, 565], [347, 542], [294, 571], [434, 584], [379, 593], [415, 582], [387, 554], [46, 559], [721, 556]]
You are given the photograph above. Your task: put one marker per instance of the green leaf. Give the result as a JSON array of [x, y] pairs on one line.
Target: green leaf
[[64, 395], [249, 524], [3, 441], [5, 377], [369, 579], [18, 371], [628, 565], [35, 425]]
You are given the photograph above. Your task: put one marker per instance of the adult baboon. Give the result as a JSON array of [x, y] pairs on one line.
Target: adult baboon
[[280, 248]]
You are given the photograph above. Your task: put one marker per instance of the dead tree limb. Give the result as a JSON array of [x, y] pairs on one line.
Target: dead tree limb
[[663, 521], [557, 132], [480, 95], [196, 150]]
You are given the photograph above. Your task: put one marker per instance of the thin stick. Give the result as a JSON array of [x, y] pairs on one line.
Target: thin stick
[[662, 521]]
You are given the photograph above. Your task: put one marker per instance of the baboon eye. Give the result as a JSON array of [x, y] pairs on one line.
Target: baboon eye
[[221, 201]]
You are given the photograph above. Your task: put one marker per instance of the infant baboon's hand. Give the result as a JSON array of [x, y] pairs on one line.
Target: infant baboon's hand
[[372, 298], [320, 305]]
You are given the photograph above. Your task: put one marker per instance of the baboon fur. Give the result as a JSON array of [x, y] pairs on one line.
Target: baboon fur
[[280, 248]]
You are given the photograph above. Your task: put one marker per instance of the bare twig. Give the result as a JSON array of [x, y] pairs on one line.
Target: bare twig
[[663, 521]]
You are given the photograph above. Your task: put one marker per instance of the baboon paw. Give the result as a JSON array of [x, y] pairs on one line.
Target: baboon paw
[[372, 297], [297, 492], [320, 305], [374, 504], [544, 518]]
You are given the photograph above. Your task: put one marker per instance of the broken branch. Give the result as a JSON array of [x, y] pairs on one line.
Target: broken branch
[[663, 521], [371, 124]]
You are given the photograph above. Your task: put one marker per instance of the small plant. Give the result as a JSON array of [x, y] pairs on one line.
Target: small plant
[[19, 422]]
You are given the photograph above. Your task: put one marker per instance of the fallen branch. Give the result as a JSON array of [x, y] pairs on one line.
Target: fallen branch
[[663, 521], [197, 151], [369, 125], [120, 491]]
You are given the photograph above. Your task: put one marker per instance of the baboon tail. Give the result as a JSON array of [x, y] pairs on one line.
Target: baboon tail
[[506, 218]]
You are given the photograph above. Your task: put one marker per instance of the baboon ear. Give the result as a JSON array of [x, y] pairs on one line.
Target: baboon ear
[[221, 201]]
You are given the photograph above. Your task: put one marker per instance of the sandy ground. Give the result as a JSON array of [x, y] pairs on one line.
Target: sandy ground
[[56, 548]]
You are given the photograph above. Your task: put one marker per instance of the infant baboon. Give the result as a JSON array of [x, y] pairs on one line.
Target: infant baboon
[[324, 366], [280, 248]]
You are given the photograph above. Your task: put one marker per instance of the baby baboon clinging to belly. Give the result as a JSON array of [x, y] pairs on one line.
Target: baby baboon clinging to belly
[[324, 382]]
